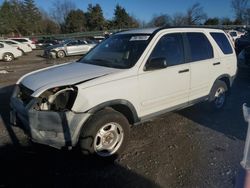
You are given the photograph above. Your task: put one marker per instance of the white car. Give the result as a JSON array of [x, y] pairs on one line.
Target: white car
[[23, 47], [30, 43], [127, 79], [9, 53], [235, 34]]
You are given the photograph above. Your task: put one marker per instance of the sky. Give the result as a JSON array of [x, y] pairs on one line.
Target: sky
[[144, 10]]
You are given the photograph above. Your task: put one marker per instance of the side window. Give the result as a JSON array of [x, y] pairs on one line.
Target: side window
[[20, 40], [72, 43], [170, 47], [9, 42], [200, 47], [222, 42]]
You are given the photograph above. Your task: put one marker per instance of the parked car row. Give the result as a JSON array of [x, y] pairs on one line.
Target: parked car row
[[8, 53], [13, 48]]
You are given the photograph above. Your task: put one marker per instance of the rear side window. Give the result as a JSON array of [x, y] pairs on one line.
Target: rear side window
[[200, 47], [222, 42]]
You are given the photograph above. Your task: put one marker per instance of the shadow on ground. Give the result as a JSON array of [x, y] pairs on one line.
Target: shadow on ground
[[230, 120], [34, 165], [43, 167]]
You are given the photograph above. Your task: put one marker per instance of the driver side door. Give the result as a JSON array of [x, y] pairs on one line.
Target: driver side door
[[166, 88]]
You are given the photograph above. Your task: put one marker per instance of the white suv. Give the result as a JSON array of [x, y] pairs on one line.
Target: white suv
[[127, 79]]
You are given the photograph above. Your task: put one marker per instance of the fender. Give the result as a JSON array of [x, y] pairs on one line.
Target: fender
[[230, 78], [111, 103]]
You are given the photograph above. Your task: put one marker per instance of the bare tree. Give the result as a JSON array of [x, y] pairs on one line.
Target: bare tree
[[239, 7], [179, 19], [61, 9], [195, 14], [160, 20]]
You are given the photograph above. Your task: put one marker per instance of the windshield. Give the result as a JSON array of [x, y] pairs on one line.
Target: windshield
[[119, 51]]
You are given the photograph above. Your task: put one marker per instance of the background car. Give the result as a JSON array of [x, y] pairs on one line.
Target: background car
[[23, 47], [242, 43], [44, 43], [30, 43], [8, 53], [244, 58], [68, 48], [235, 34]]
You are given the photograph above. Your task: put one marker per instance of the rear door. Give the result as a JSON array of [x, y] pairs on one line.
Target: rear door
[[83, 47], [201, 58], [72, 47]]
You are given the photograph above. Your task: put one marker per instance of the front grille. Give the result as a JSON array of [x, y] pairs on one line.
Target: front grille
[[25, 94]]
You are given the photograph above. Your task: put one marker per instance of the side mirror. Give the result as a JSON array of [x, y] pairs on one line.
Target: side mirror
[[156, 63]]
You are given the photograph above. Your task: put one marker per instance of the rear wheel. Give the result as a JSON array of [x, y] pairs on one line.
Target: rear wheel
[[105, 135], [8, 57], [218, 95], [60, 54]]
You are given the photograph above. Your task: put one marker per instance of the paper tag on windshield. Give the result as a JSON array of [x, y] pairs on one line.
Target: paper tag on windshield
[[136, 38]]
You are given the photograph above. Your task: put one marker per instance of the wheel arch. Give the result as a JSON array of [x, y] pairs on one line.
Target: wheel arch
[[224, 78], [123, 106], [227, 79]]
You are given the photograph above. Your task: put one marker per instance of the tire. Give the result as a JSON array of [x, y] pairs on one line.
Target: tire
[[60, 54], [105, 135], [8, 57], [218, 95]]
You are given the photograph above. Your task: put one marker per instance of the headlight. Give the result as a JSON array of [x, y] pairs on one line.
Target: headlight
[[57, 99]]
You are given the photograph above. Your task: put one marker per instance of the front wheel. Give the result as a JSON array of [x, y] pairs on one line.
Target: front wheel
[[218, 95], [60, 54], [105, 135]]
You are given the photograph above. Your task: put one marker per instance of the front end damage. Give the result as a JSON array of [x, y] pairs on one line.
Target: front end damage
[[48, 119]]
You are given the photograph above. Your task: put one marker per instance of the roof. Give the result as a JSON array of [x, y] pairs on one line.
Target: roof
[[156, 29]]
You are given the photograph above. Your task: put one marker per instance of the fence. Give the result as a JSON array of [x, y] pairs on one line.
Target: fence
[[102, 33]]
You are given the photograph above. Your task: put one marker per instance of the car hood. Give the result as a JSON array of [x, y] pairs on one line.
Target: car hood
[[67, 74]]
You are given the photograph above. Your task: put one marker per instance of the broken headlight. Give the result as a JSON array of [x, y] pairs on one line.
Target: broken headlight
[[57, 99]]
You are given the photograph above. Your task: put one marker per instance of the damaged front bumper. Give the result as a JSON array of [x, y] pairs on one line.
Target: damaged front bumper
[[56, 129]]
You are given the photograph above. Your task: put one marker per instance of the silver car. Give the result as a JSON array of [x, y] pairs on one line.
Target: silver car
[[68, 48]]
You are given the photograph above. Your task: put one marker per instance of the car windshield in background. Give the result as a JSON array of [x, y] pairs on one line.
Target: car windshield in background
[[119, 51]]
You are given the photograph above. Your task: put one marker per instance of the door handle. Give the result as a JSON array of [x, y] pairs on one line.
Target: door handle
[[184, 70], [218, 63]]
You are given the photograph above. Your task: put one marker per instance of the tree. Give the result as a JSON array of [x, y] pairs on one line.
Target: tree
[[60, 11], [11, 19], [32, 17], [195, 15], [75, 21], [226, 21], [212, 21], [239, 7], [95, 19], [179, 19], [160, 21], [122, 19]]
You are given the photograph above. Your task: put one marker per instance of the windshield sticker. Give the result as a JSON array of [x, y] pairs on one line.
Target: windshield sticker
[[136, 38]]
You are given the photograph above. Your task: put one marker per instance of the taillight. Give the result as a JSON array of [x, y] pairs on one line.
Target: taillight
[[18, 48]]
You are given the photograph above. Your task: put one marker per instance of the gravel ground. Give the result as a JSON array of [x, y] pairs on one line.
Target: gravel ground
[[193, 147]]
